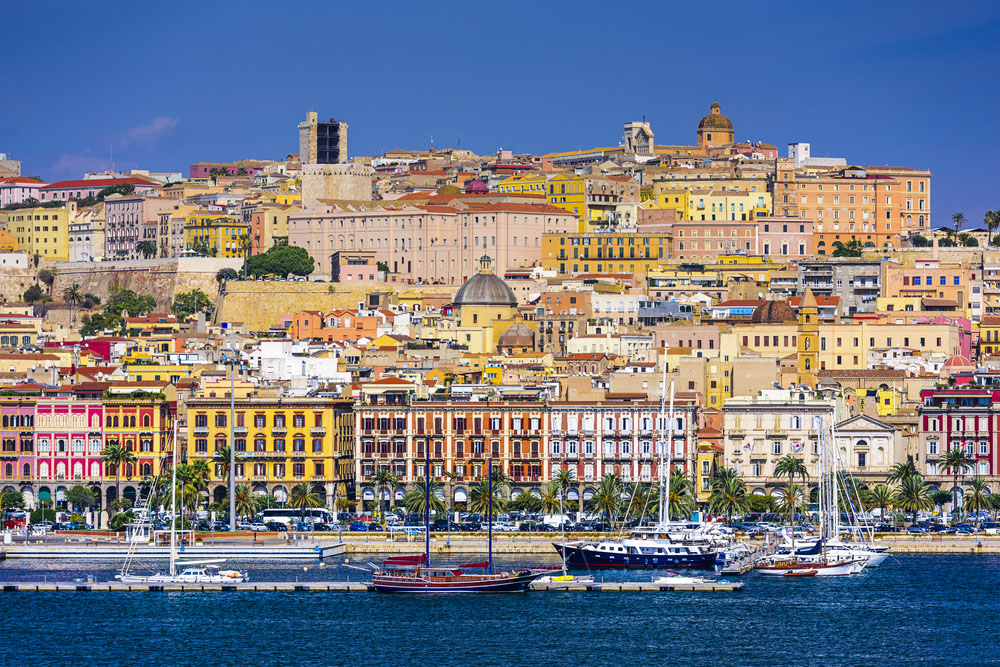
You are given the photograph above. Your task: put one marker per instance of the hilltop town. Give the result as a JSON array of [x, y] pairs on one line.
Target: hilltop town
[[339, 320]]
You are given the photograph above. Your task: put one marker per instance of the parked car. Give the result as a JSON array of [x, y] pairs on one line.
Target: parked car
[[916, 530], [991, 528], [276, 527], [359, 527], [220, 526], [503, 527]]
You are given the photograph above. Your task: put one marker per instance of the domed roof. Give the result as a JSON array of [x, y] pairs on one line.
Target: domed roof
[[517, 335], [485, 289], [476, 186], [957, 361], [715, 120], [773, 312]]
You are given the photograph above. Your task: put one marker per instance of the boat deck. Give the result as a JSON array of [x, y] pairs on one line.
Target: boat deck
[[331, 586]]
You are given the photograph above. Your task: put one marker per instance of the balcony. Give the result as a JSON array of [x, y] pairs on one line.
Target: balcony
[[317, 430], [200, 430], [278, 430], [239, 430]]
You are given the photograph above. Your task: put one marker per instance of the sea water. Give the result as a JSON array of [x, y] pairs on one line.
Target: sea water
[[930, 609]]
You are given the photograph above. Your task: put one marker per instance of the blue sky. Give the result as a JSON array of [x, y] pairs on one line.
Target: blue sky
[[165, 85]]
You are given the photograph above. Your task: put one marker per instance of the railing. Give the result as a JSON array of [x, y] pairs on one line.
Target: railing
[[278, 430], [240, 430], [200, 430], [317, 430]]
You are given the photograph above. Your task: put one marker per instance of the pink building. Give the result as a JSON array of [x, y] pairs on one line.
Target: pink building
[[68, 442], [66, 190], [785, 238], [17, 455], [16, 189]]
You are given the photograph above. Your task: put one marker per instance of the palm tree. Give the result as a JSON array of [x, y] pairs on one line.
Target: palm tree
[[479, 498], [729, 496], [608, 499], [246, 503], [881, 497], [116, 456], [992, 220], [302, 497], [415, 500], [640, 496], [958, 219], [221, 458], [551, 498], [956, 460], [793, 499], [449, 486], [680, 500], [913, 495], [790, 467], [384, 479], [978, 497], [72, 295], [901, 471]]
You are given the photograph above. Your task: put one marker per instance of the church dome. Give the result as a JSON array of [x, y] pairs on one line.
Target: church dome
[[476, 187], [517, 335], [485, 289], [773, 312], [715, 120]]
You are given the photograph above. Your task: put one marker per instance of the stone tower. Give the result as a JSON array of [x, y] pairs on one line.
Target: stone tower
[[808, 340]]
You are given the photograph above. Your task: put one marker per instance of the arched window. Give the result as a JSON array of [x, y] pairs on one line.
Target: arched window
[[26, 470], [107, 421], [8, 470], [6, 421], [146, 421], [147, 469]]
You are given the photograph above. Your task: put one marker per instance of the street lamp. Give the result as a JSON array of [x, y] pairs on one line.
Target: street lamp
[[231, 359]]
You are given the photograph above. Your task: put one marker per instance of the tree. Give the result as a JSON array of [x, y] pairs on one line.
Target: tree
[[608, 498], [242, 171], [34, 294], [118, 189], [901, 471], [958, 219], [281, 261], [550, 498], [12, 500], [978, 497], [881, 497], [761, 503], [226, 274], [121, 301], [850, 249], [790, 467], [680, 499], [913, 495], [967, 240], [729, 495], [189, 303], [81, 497], [920, 241], [147, 248], [957, 461], [415, 500], [116, 456], [246, 504], [479, 498], [526, 502], [303, 496], [992, 221], [385, 479], [72, 296], [48, 277]]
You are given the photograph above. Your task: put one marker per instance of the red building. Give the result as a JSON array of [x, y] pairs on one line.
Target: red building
[[966, 418]]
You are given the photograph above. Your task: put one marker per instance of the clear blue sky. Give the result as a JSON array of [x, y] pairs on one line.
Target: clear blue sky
[[169, 84]]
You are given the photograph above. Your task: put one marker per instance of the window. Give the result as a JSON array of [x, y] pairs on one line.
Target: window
[[862, 459], [776, 447]]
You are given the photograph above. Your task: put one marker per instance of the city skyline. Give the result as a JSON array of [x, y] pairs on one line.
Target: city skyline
[[487, 85]]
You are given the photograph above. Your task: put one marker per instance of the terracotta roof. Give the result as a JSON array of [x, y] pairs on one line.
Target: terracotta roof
[[862, 373], [20, 179], [98, 183]]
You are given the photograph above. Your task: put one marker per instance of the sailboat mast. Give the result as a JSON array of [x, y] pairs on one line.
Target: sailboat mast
[[670, 447], [173, 504], [489, 518], [427, 504], [659, 444]]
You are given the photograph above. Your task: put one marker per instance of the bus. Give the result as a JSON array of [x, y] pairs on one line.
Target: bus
[[290, 515]]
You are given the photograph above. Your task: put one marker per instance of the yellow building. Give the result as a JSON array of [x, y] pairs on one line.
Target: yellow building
[[484, 308], [41, 231], [593, 199], [604, 252], [703, 204], [220, 234], [279, 442]]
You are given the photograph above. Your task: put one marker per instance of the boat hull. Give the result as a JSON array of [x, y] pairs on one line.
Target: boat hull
[[581, 556], [510, 584]]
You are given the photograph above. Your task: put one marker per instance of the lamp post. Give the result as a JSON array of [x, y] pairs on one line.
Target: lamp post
[[232, 359]]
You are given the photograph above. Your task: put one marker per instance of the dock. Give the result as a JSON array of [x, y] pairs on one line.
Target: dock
[[341, 586], [296, 551]]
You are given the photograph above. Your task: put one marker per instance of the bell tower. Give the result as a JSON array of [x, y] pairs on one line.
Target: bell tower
[[808, 340]]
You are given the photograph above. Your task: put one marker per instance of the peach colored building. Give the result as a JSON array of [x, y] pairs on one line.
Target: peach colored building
[[430, 243], [335, 325], [782, 238]]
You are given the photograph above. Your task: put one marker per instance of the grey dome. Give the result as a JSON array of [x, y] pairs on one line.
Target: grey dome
[[485, 289]]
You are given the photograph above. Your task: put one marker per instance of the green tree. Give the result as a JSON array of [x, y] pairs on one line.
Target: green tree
[[550, 498], [941, 498], [680, 499], [920, 241], [72, 296], [729, 495], [789, 467], [881, 497], [850, 249], [385, 482], [978, 497], [479, 498], [146, 248], [607, 500], [303, 497], [281, 261], [967, 240], [34, 294], [415, 500], [118, 189], [80, 497], [226, 274], [121, 301], [992, 221], [901, 471], [117, 457], [242, 171], [47, 276], [526, 502], [189, 303], [761, 503], [913, 496], [958, 219], [12, 500], [958, 462], [246, 503]]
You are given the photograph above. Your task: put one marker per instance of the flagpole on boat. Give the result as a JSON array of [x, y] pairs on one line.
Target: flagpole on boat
[[427, 504]]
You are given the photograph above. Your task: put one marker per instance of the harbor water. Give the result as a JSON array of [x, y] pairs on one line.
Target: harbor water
[[916, 609]]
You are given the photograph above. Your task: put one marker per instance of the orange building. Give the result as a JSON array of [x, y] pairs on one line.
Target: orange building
[[336, 325]]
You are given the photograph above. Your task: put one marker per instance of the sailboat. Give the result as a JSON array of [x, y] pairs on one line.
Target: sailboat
[[817, 559], [666, 545], [193, 572], [414, 574]]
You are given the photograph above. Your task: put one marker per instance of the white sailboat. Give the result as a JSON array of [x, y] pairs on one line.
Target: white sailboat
[[194, 572]]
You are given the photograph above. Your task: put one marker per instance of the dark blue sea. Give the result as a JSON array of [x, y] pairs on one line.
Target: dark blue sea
[[916, 609]]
